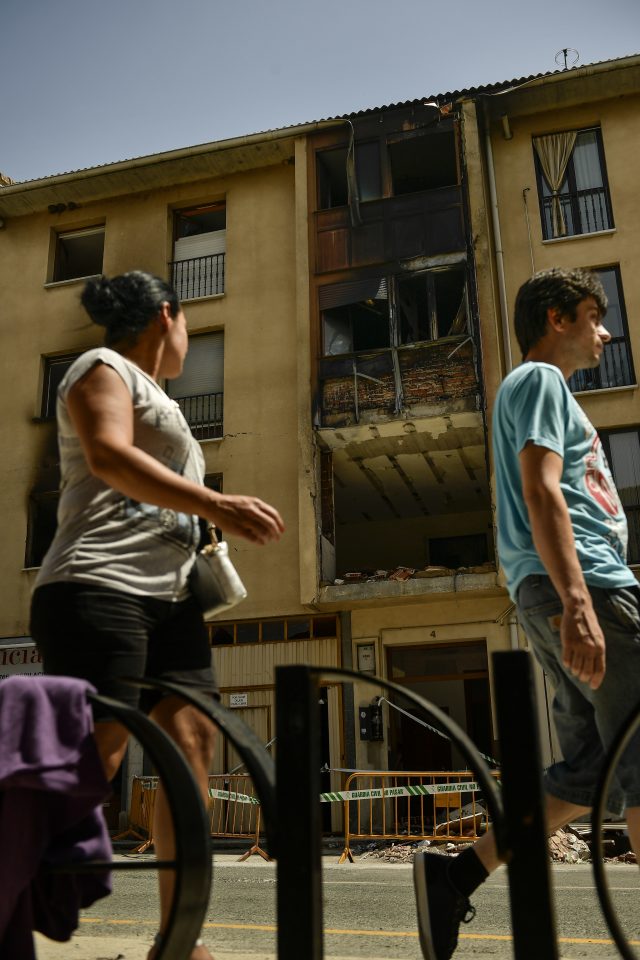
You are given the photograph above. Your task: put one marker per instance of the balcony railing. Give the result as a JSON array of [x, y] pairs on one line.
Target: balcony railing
[[199, 277], [585, 211], [615, 370], [633, 521], [203, 413]]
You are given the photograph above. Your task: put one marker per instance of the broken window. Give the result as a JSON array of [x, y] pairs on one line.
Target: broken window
[[423, 162], [197, 268], [355, 316], [333, 189], [431, 305]]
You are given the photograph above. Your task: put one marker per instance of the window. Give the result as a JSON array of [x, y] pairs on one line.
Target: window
[[199, 388], [272, 631], [42, 524], [572, 183], [616, 364], [333, 190], [357, 317], [423, 162], [198, 265], [78, 254], [432, 305], [622, 448], [54, 371]]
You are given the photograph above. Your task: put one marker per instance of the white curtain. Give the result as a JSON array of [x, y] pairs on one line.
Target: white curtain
[[554, 152]]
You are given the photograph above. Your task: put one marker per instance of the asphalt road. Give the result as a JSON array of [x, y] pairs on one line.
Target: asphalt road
[[368, 912]]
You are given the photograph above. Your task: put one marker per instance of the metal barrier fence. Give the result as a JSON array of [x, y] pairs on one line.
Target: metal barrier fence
[[233, 811], [412, 806]]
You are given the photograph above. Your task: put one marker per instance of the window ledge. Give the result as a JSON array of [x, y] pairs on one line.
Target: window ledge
[[30, 569], [581, 236], [211, 296], [211, 440], [65, 283], [601, 390]]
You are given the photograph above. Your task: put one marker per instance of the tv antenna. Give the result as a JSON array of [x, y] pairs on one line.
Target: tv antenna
[[567, 57]]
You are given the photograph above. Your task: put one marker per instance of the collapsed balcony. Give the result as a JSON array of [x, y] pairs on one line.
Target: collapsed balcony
[[406, 509]]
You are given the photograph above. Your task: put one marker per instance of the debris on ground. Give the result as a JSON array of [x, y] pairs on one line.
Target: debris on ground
[[565, 846]]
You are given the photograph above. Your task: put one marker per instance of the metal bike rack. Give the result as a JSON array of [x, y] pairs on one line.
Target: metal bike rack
[[618, 747], [518, 828], [192, 863]]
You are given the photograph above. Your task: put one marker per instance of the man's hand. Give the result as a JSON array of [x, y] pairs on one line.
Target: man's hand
[[247, 517], [583, 645]]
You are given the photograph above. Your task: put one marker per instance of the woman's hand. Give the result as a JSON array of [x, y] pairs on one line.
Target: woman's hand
[[246, 517]]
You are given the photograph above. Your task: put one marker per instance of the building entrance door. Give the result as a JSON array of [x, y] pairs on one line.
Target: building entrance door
[[453, 676]]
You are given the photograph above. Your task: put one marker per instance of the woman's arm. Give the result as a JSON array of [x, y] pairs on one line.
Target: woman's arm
[[101, 411]]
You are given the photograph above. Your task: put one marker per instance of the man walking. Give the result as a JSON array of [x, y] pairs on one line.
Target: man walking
[[562, 538]]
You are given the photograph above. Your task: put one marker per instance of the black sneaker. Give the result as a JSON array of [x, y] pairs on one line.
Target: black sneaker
[[441, 908]]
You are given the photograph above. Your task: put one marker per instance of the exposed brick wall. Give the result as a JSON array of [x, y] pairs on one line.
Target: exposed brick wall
[[429, 376]]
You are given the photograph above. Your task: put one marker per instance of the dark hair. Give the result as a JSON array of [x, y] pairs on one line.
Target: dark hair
[[126, 304], [556, 289]]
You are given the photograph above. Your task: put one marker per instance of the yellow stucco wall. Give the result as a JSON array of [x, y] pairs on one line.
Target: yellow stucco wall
[[619, 120]]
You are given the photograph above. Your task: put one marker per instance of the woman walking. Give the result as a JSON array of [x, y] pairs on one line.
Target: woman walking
[[111, 599]]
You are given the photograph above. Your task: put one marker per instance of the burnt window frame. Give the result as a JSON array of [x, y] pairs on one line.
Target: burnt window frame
[[570, 180], [392, 283]]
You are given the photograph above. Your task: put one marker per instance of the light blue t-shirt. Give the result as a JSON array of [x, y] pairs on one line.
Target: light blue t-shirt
[[534, 404]]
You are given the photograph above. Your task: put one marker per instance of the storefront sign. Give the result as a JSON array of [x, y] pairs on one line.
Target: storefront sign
[[18, 655]]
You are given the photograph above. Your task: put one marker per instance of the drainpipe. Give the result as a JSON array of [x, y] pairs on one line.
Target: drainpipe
[[495, 220]]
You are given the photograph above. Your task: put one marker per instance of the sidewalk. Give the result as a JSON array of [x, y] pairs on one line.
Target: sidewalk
[[117, 948]]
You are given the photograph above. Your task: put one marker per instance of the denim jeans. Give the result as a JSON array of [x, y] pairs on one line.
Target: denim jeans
[[587, 720]]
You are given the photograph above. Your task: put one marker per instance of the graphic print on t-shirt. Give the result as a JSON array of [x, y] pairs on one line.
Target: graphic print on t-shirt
[[601, 487]]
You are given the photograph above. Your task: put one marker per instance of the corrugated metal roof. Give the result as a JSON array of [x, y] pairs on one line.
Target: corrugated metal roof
[[441, 98]]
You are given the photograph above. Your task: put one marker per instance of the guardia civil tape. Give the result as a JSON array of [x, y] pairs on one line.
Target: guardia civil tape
[[376, 793]]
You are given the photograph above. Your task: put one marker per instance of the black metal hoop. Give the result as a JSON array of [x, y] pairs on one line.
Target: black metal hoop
[[247, 743], [192, 863], [458, 736], [618, 747]]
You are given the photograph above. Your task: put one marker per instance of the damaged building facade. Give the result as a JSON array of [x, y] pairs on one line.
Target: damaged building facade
[[348, 288], [402, 318]]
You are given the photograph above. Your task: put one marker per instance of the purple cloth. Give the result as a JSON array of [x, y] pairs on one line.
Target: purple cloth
[[51, 789]]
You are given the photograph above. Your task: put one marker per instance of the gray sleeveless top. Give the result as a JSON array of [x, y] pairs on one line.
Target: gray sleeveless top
[[103, 537]]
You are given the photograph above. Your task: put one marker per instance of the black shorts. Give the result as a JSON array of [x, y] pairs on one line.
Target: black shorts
[[102, 635]]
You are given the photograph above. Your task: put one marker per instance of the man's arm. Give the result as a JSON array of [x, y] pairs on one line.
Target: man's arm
[[583, 646]]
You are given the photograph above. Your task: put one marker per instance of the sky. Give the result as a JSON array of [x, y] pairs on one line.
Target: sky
[[83, 83]]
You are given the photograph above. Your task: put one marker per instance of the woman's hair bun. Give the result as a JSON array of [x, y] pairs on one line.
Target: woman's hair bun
[[101, 301], [127, 303]]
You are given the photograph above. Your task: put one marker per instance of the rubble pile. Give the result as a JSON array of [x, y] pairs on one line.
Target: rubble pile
[[409, 573], [405, 852], [567, 847]]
